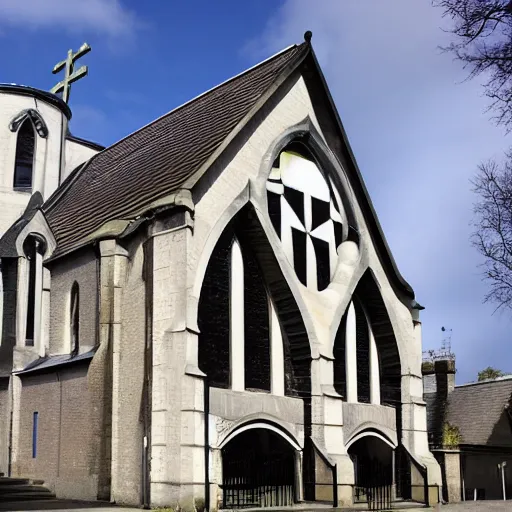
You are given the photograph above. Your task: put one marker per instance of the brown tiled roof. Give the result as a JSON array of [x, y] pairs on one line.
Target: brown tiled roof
[[158, 159], [479, 412]]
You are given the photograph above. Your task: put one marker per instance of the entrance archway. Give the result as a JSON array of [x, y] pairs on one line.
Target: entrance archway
[[372, 455], [258, 470]]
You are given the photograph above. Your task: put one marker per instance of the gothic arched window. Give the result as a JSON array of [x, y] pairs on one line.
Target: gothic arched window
[[24, 162], [307, 214], [74, 325], [34, 249]]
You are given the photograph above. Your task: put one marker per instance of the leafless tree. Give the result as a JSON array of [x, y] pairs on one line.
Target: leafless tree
[[482, 31], [483, 42], [493, 228]]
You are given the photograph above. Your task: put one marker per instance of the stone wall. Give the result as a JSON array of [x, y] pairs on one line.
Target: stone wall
[[63, 457], [82, 267], [357, 417], [4, 424], [128, 376], [76, 154]]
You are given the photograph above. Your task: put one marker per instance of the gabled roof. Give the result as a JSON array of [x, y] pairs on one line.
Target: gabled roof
[[158, 159], [121, 182], [480, 412]]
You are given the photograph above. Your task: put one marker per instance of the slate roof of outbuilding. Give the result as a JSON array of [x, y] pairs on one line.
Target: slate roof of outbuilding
[[479, 410], [158, 159]]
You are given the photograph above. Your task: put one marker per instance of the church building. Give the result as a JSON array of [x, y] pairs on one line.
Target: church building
[[205, 314]]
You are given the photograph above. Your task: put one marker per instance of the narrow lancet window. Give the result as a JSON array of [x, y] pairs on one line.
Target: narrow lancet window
[[34, 253], [24, 163], [32, 263], [75, 319]]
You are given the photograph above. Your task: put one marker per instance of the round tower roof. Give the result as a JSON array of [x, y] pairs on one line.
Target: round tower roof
[[47, 97]]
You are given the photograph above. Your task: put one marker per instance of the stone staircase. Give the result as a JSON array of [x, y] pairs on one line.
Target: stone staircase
[[23, 489]]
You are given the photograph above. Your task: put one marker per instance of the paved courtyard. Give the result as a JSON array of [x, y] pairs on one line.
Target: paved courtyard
[[74, 506], [477, 506]]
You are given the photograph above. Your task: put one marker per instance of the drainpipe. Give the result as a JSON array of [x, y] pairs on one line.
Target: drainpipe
[[206, 443], [148, 376], [502, 468], [335, 487]]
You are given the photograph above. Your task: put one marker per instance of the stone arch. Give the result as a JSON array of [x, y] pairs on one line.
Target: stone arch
[[368, 294], [260, 466], [261, 423], [34, 117], [306, 133], [312, 223], [372, 429]]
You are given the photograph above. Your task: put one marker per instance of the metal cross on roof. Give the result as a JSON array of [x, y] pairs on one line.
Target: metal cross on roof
[[70, 76]]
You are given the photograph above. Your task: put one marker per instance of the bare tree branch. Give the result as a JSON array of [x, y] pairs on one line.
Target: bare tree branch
[[483, 33], [492, 234]]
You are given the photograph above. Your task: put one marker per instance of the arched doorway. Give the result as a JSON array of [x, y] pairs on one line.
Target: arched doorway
[[258, 470], [372, 455]]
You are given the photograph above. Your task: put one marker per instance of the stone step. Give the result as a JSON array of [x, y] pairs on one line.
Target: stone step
[[17, 488], [13, 481], [23, 496], [23, 489]]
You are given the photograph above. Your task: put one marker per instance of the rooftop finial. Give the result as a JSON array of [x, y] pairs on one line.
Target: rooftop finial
[[307, 36], [70, 75]]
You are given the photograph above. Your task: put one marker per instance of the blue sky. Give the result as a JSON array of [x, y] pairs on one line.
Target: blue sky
[[417, 128]]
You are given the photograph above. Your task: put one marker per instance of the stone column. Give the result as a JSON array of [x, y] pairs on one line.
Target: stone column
[[453, 475], [15, 392], [22, 302], [351, 355], [177, 415], [45, 312], [374, 369], [38, 299], [327, 430], [276, 353], [236, 332], [102, 376], [215, 479], [111, 320], [414, 416]]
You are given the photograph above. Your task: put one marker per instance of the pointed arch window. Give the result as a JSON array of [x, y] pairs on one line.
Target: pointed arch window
[[356, 358], [306, 210], [240, 341], [34, 248], [24, 163], [74, 326]]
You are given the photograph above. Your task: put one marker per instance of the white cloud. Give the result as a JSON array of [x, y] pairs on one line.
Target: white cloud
[[418, 131], [108, 17]]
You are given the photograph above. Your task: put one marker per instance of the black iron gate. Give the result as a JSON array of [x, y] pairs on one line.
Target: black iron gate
[[252, 477], [373, 484]]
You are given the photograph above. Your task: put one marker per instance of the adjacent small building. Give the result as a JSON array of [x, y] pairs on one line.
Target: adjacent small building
[[470, 432]]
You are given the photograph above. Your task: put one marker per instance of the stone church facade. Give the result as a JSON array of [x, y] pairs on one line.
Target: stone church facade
[[208, 300]]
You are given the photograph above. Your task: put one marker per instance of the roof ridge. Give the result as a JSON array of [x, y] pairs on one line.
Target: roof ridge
[[50, 203], [486, 381]]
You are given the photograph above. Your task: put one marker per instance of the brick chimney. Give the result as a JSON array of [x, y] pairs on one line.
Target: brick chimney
[[438, 383], [439, 377]]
